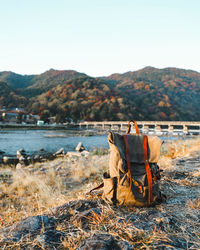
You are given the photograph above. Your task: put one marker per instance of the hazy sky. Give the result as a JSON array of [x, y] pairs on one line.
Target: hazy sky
[[98, 37]]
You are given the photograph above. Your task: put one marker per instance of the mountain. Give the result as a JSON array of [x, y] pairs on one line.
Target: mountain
[[50, 79], [9, 98], [155, 76], [32, 85], [16, 81], [146, 94], [83, 98], [161, 94]]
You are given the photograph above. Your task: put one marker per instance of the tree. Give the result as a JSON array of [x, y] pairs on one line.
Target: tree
[[45, 116], [19, 117], [60, 118]]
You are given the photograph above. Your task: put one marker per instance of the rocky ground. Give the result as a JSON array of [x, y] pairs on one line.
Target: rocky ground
[[86, 222]]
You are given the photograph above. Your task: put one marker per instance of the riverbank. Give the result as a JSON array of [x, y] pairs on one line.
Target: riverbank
[[50, 140], [69, 218]]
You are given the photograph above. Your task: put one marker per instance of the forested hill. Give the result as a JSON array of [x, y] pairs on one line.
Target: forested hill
[[161, 94], [16, 81], [9, 98], [32, 85], [146, 94], [150, 74]]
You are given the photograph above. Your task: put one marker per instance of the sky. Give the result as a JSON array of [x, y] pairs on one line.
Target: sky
[[98, 37]]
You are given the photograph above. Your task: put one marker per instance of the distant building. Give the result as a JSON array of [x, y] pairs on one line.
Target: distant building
[[40, 123], [31, 119], [17, 115], [14, 115], [19, 109], [10, 116], [52, 119]]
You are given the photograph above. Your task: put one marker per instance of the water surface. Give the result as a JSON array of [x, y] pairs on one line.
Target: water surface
[[52, 140]]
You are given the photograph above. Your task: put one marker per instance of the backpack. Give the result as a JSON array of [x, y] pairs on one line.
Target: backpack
[[133, 174]]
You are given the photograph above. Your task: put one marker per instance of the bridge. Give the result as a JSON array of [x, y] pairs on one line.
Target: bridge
[[146, 126]]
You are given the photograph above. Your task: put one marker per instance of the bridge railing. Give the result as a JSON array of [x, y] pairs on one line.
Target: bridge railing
[[146, 126]]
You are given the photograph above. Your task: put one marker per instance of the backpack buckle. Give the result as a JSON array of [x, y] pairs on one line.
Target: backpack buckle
[[140, 189]]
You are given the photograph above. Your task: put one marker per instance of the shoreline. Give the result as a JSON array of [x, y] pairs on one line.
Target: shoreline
[[82, 134], [36, 127]]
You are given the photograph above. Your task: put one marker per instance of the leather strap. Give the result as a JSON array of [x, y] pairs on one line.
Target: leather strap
[[127, 153], [129, 127], [96, 188], [148, 170]]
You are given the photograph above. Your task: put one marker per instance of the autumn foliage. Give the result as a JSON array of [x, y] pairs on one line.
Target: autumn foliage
[[146, 94]]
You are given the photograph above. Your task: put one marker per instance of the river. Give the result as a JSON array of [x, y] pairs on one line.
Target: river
[[51, 140]]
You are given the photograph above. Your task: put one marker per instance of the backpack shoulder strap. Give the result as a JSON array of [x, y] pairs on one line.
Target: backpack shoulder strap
[[148, 170], [129, 127]]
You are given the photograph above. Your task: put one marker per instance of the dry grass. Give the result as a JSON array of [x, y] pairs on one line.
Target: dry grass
[[47, 185], [39, 187], [29, 194], [194, 204], [110, 221], [172, 150], [181, 148]]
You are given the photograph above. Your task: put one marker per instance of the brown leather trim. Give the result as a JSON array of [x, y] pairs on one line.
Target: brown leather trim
[[129, 127], [96, 188], [148, 170], [127, 152]]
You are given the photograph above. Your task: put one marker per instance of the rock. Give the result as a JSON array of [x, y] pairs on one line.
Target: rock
[[22, 159], [71, 154], [44, 226], [50, 239], [74, 220], [10, 160], [152, 219], [61, 151], [80, 147], [104, 242], [4, 176], [29, 227], [62, 213], [78, 154], [19, 166], [83, 218], [85, 153], [41, 156], [36, 158], [173, 242], [125, 245], [180, 175], [5, 159], [21, 155], [21, 152]]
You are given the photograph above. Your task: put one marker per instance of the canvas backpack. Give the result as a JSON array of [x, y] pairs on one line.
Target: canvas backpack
[[133, 174]]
